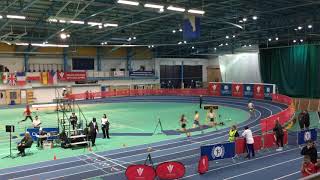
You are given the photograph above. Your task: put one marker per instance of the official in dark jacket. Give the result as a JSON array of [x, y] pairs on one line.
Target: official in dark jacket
[[279, 135], [93, 130], [310, 150], [26, 142]]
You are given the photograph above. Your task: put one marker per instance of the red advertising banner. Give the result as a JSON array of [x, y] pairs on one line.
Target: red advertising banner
[[237, 90], [258, 91], [170, 170], [142, 172], [215, 89], [72, 76]]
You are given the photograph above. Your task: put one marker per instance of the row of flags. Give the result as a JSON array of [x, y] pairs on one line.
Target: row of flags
[[21, 78]]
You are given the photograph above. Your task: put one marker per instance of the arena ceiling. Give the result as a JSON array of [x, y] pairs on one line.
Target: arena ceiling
[[278, 23]]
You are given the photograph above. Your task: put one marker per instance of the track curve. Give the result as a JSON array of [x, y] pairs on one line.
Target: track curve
[[185, 150]]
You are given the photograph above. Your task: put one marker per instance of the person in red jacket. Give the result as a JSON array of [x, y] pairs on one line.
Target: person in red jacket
[[308, 167]]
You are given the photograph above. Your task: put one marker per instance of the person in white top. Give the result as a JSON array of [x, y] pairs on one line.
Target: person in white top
[[211, 115], [36, 122], [247, 134], [105, 126], [196, 119]]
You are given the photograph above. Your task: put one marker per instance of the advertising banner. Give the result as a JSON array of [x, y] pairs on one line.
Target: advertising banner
[[215, 89], [226, 89], [237, 90], [72, 76], [218, 151], [258, 91], [248, 90]]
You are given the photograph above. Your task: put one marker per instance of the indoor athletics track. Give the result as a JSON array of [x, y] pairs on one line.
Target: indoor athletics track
[[111, 164]]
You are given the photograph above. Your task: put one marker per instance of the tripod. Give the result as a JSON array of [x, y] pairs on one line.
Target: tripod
[[158, 124], [10, 155]]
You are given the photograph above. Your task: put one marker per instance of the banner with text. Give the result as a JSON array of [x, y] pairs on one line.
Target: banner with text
[[72, 76]]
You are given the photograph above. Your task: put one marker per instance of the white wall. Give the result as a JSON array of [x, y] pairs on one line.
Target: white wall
[[14, 63], [186, 61], [241, 67]]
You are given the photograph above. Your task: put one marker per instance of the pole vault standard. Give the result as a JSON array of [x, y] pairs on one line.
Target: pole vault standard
[[158, 125]]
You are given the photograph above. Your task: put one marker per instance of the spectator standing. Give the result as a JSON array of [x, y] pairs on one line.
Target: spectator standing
[[306, 119], [105, 126], [93, 129], [279, 134], [247, 134]]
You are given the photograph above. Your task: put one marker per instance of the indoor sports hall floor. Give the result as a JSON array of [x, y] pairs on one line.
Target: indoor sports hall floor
[[111, 164]]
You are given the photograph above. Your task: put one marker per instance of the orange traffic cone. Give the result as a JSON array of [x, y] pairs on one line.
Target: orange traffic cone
[[54, 157]]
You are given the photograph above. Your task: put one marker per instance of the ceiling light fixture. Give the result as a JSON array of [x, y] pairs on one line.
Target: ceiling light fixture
[[172, 8], [233, 36], [185, 42], [76, 22], [94, 24], [215, 48], [300, 27], [192, 47], [240, 21], [62, 21], [134, 37], [254, 17], [249, 45], [269, 39], [227, 37], [53, 20], [133, 3], [309, 26], [1, 17], [195, 11], [227, 44], [62, 30], [180, 42], [49, 45], [63, 36], [173, 31], [15, 17], [180, 30], [22, 44], [277, 38], [294, 41], [244, 19], [154, 6], [110, 25], [301, 40]]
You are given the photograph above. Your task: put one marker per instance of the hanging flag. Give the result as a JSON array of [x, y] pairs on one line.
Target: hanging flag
[[52, 77], [191, 27], [12, 79], [5, 76], [44, 78], [33, 76], [1, 77], [21, 78]]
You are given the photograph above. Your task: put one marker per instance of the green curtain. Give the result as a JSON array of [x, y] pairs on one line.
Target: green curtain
[[295, 70]]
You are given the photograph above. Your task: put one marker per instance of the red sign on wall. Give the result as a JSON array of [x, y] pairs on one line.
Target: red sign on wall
[[258, 91], [72, 76], [215, 89], [170, 170], [237, 90], [142, 172]]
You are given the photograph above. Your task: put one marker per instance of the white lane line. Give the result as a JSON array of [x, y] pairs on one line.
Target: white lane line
[[288, 175], [250, 160], [209, 134], [266, 167]]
